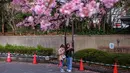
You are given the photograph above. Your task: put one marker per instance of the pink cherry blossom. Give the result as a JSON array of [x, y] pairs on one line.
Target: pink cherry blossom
[[30, 19], [109, 3], [42, 9]]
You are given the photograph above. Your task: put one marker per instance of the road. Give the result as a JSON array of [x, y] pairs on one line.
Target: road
[[21, 67]]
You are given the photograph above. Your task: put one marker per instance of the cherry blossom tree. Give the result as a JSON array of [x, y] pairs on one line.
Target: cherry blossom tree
[[51, 13]]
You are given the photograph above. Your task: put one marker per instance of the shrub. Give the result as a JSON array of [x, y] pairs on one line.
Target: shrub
[[9, 48], [44, 51], [26, 50], [48, 51], [2, 49], [123, 59], [103, 57], [31, 50], [90, 54]]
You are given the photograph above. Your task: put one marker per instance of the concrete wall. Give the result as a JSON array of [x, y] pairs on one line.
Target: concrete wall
[[54, 41]]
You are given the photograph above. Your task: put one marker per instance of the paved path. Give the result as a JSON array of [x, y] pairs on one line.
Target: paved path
[[20, 67]]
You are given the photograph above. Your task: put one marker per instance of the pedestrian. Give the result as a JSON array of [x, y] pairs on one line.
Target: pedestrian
[[61, 54], [69, 53]]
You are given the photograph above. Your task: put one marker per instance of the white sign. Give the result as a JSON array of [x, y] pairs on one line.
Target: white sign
[[111, 45]]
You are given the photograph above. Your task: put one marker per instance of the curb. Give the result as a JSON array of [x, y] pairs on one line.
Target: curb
[[103, 64], [99, 69], [26, 58], [49, 59]]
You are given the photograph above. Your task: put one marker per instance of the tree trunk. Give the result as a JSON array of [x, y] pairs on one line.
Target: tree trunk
[[11, 22], [104, 22], [3, 32], [3, 26]]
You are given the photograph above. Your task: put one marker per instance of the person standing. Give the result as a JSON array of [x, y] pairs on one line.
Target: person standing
[[69, 53], [61, 54]]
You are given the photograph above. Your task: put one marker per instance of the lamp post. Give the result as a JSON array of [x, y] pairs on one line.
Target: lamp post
[[65, 39], [73, 36], [67, 23]]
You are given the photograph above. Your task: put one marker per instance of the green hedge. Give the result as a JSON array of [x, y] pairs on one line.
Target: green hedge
[[26, 50], [103, 57], [44, 51]]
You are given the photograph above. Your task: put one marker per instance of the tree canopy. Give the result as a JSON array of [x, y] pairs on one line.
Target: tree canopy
[[51, 13]]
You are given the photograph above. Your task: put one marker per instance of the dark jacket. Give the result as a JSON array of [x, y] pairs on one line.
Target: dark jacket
[[69, 52]]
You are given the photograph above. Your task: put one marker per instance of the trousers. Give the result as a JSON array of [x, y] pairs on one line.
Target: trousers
[[69, 63]]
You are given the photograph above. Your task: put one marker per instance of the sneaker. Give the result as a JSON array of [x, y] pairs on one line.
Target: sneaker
[[62, 70], [68, 70]]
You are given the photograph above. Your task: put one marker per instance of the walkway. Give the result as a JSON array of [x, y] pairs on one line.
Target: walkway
[[21, 67]]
